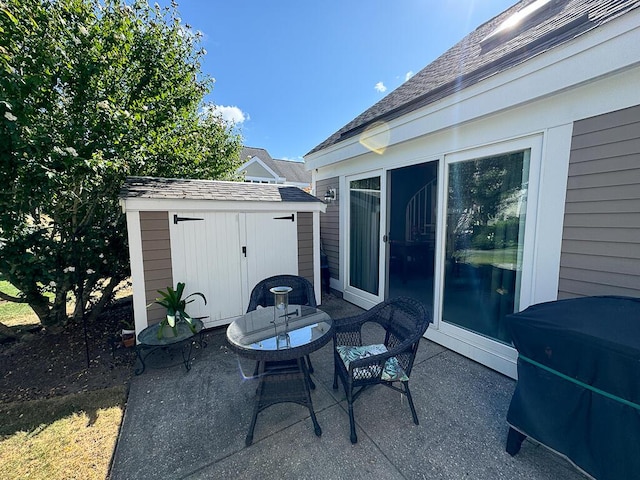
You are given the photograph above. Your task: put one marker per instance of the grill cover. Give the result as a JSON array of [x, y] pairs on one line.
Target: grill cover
[[578, 389]]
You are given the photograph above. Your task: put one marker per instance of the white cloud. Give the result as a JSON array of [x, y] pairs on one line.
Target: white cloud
[[380, 87], [408, 75], [231, 114]]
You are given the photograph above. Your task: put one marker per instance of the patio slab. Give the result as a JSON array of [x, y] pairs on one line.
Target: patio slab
[[181, 424]]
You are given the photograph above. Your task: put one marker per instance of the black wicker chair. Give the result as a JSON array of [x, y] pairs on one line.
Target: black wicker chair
[[404, 322], [302, 294]]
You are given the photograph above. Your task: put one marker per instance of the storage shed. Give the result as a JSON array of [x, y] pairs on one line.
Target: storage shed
[[219, 238]]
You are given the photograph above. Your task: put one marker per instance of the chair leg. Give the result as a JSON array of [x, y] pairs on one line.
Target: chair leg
[[352, 422], [335, 375], [413, 409]]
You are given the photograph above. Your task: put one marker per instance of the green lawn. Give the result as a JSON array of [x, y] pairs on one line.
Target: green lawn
[[488, 257], [12, 314]]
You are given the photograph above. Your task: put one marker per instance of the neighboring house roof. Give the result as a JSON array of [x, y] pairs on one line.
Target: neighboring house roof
[[175, 188], [481, 55], [290, 171]]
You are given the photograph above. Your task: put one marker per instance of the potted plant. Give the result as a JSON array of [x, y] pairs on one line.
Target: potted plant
[[128, 333], [174, 303]]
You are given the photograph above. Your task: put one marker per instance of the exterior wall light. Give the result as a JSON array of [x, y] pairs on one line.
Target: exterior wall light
[[330, 196]]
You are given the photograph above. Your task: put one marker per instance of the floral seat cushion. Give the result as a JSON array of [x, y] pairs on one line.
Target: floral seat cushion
[[392, 371]]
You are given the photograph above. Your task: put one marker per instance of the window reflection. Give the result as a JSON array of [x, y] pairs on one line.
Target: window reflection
[[485, 232]]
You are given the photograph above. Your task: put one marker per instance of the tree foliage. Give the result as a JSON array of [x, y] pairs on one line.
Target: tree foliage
[[90, 92]]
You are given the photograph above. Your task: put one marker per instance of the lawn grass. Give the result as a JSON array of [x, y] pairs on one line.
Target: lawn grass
[[61, 438], [496, 256], [13, 314]]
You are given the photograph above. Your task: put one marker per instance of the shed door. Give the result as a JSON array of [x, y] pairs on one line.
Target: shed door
[[272, 246], [224, 254]]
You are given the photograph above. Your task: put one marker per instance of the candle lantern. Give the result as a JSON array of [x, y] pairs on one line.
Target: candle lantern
[[281, 305]]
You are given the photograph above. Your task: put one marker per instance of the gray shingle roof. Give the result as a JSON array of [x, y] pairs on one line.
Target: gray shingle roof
[[175, 188], [474, 59], [290, 170]]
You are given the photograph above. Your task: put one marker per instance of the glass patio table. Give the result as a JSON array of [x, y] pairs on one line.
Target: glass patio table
[[148, 342], [280, 343]]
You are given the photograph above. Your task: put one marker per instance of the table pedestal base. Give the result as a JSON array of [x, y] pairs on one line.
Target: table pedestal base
[[280, 382]]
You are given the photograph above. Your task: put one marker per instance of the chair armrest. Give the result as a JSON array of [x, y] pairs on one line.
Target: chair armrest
[[361, 368], [383, 357]]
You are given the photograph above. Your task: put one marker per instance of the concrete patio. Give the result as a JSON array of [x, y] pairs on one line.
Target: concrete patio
[[181, 424]]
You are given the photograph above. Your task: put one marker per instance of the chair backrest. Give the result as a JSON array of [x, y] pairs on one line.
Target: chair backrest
[[302, 293], [405, 320]]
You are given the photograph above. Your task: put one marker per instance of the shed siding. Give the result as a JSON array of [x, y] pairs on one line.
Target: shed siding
[[156, 259], [305, 245], [601, 236], [330, 226]]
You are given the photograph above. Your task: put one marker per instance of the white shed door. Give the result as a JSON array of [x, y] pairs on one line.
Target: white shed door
[[205, 255], [272, 246], [224, 254]]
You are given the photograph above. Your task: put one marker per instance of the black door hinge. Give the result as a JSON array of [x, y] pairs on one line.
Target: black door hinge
[[177, 219], [288, 217]]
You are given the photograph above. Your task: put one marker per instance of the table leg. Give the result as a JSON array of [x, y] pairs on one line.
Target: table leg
[[256, 409], [187, 360], [302, 364], [139, 371]]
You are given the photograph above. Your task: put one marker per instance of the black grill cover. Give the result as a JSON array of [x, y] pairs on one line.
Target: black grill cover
[[578, 389]]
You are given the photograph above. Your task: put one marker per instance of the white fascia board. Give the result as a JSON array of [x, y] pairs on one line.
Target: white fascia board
[[172, 204], [602, 52]]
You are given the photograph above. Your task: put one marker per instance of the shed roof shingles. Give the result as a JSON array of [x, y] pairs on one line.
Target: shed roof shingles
[[175, 188]]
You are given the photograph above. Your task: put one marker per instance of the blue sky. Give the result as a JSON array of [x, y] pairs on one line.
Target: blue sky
[[291, 73]]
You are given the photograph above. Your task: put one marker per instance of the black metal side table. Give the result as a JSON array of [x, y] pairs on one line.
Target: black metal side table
[[148, 342], [281, 346]]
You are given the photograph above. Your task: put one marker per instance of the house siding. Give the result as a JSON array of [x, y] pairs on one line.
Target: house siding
[[156, 259], [330, 226], [601, 236], [305, 245], [257, 170]]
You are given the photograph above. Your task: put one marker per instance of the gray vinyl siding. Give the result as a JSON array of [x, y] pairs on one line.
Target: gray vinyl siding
[[330, 226], [601, 236], [305, 245], [156, 260]]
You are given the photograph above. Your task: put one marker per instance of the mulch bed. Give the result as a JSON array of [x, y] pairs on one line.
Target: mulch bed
[[43, 364]]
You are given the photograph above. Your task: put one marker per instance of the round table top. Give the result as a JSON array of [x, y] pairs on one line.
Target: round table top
[[149, 336], [255, 335]]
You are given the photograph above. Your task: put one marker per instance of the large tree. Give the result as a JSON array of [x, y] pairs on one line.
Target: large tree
[[92, 91]]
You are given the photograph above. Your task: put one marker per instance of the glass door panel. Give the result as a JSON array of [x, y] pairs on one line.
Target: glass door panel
[[486, 207], [412, 216], [364, 234]]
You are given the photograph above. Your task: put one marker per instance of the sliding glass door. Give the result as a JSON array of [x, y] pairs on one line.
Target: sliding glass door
[[484, 239]]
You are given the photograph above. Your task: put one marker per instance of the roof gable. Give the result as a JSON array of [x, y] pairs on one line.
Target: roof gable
[[478, 56], [292, 172]]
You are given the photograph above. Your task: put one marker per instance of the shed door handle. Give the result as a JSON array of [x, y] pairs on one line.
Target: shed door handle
[[244, 250], [288, 217]]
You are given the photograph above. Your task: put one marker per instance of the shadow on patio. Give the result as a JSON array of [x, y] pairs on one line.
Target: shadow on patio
[[181, 424]]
